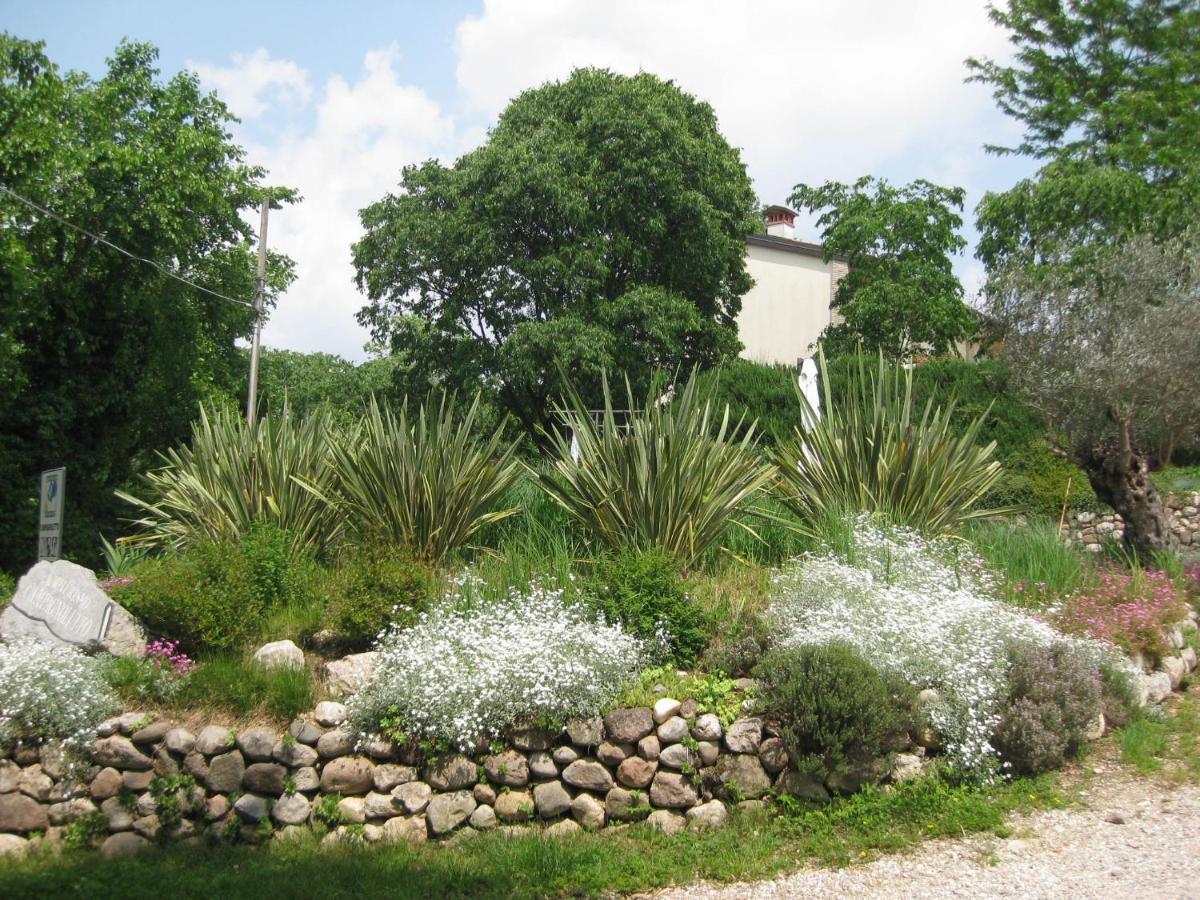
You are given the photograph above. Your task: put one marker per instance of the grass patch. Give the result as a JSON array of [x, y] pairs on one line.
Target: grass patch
[[492, 865], [1177, 479], [1036, 564], [1169, 748]]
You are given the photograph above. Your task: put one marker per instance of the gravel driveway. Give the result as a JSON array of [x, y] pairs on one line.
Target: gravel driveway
[[1130, 838]]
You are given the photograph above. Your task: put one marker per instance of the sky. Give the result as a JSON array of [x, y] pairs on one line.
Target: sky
[[334, 99]]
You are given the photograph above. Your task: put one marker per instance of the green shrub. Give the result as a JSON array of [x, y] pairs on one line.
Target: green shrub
[[8, 587], [1040, 481], [713, 693], [832, 707], [875, 450], [235, 476], [425, 480], [374, 587], [1119, 695], [214, 596], [764, 395], [672, 480], [644, 593], [1054, 697]]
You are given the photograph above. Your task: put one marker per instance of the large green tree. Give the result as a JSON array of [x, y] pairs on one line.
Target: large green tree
[[104, 358], [901, 294], [1108, 94], [601, 226]]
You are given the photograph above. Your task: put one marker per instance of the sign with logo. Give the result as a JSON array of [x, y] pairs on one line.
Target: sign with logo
[[50, 514]]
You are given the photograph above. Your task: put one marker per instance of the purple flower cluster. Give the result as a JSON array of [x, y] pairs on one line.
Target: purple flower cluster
[[107, 584], [1132, 611], [168, 658]]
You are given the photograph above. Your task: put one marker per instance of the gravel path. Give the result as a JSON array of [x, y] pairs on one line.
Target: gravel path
[[1130, 838]]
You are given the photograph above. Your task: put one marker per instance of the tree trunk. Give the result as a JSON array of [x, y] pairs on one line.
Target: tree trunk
[[1121, 478]]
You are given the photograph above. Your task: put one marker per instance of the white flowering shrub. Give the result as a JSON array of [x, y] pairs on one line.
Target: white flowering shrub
[[925, 610], [469, 669], [51, 693]]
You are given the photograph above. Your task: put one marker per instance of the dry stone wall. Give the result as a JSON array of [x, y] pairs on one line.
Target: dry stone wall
[[1090, 529]]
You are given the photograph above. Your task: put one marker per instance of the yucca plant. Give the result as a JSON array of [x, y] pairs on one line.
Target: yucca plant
[[423, 481], [236, 474], [872, 452], [670, 479]]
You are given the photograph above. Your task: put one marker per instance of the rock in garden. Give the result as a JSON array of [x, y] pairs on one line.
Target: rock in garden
[[666, 821], [279, 655], [164, 762], [665, 708], [251, 808], [677, 756], [564, 755], [413, 796], [379, 747], [305, 732], [531, 738], [744, 736], [349, 675], [306, 779], [382, 806], [59, 603], [649, 747], [673, 730], [137, 781], [611, 754], [214, 739], [587, 732], [120, 753], [257, 744], [541, 764], [10, 772], [106, 784], [741, 776], [147, 826], [70, 810], [291, 809], [856, 775], [563, 829], [708, 752], [623, 806], [33, 782], [1176, 670], [514, 806], [330, 714], [483, 819], [196, 765], [773, 756], [179, 740], [672, 791], [335, 743], [123, 846], [507, 768], [12, 847], [551, 799], [707, 728], [588, 812], [292, 753], [484, 793], [636, 772], [118, 816], [588, 774], [216, 807], [348, 775], [411, 829], [1156, 687], [147, 805], [447, 811], [20, 814], [352, 810], [712, 814], [265, 778], [388, 775], [225, 773], [152, 733], [628, 726], [450, 773], [906, 767]]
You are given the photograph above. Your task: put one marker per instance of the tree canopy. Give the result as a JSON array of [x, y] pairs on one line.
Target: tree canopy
[[601, 226], [901, 294], [103, 358], [1108, 92]]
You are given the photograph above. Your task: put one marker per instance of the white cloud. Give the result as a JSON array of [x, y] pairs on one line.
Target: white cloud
[[253, 81], [811, 91]]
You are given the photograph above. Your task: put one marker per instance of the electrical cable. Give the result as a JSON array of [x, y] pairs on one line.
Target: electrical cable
[[107, 243]]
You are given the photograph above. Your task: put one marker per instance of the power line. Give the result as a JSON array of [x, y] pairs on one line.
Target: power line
[[107, 243]]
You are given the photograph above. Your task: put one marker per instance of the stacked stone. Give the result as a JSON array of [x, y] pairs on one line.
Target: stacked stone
[[1090, 530]]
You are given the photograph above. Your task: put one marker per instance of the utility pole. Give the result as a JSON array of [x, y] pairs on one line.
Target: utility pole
[[259, 293]]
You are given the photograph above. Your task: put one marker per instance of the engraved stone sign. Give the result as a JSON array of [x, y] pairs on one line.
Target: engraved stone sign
[[60, 603]]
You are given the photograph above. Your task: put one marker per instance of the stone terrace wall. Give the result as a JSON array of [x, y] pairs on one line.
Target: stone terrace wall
[[151, 779], [1089, 530]]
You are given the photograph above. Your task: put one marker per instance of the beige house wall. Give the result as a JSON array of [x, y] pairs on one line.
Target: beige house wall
[[787, 309]]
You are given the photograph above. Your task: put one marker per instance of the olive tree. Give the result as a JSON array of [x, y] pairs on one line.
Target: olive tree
[[1110, 352]]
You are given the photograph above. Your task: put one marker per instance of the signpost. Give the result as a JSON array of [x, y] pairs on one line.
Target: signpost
[[50, 514]]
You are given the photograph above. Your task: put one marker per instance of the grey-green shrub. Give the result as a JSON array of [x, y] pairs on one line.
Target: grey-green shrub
[[832, 707], [1054, 696]]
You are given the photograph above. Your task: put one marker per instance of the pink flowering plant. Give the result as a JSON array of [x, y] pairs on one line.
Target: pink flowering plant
[[159, 676], [1132, 610]]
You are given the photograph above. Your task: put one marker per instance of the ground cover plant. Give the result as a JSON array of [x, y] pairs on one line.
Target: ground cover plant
[[1130, 609], [469, 669]]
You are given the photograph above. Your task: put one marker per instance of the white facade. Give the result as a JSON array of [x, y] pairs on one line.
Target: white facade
[[788, 307]]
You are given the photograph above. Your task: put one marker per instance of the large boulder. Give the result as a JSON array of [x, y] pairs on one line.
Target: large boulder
[[350, 674], [447, 811], [59, 603], [279, 655]]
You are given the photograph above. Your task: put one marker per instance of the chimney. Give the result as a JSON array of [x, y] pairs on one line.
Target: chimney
[[781, 222]]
